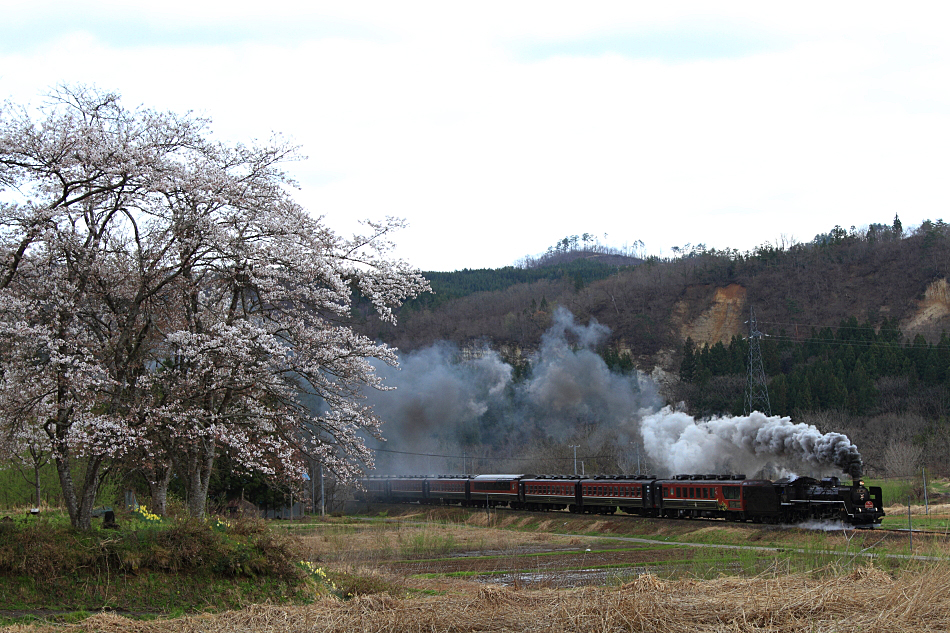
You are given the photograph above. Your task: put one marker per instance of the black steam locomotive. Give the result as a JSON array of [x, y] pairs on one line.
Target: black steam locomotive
[[730, 497]]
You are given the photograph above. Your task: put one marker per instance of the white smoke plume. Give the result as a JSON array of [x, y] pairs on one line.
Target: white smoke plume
[[756, 445]]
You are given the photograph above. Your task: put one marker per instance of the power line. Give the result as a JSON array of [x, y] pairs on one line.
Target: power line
[[833, 327], [520, 459]]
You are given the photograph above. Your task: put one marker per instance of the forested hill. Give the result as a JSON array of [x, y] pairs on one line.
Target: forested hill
[[652, 306], [854, 324], [579, 268]]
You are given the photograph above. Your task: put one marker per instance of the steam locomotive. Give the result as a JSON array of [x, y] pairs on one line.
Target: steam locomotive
[[729, 497]]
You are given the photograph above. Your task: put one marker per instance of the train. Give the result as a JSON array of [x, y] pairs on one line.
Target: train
[[732, 497]]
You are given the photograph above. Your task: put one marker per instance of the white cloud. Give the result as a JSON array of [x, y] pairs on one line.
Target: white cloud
[[497, 129]]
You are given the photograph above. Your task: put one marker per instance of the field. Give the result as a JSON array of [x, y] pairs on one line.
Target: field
[[411, 568]]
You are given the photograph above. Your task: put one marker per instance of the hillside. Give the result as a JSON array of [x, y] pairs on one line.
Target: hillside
[[854, 324], [652, 306]]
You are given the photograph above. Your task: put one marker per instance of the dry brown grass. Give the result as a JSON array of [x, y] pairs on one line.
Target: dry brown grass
[[867, 599], [395, 541], [934, 510]]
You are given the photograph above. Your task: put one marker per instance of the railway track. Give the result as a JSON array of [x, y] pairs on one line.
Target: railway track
[[818, 526]]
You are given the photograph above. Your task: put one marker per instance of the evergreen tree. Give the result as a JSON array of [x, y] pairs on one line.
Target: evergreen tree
[[688, 364]]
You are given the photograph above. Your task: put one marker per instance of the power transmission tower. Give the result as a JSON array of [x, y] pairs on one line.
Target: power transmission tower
[[757, 389]]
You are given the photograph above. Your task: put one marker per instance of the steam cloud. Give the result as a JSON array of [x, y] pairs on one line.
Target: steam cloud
[[448, 404], [755, 445]]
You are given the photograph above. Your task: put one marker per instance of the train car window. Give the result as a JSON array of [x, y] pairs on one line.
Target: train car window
[[692, 492], [679, 492], [730, 492]]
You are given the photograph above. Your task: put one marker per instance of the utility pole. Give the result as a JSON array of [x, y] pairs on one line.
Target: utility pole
[[757, 390], [574, 446]]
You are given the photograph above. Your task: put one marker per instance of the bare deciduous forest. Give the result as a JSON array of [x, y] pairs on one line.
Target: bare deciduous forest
[[855, 323]]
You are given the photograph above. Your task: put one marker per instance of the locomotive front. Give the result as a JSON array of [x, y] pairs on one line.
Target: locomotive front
[[864, 505]]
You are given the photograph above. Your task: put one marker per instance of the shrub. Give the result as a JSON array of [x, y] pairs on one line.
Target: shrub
[[243, 547]]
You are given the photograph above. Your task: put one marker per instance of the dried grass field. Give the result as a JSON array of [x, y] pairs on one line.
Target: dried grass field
[[468, 571]]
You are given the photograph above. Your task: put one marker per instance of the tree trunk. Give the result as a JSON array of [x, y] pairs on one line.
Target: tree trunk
[[196, 472], [79, 506], [36, 481], [158, 481]]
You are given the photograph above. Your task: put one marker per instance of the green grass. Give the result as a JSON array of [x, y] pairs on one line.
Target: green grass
[[918, 522], [147, 566]]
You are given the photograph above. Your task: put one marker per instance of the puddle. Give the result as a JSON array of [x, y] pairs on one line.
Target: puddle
[[570, 579], [512, 551], [599, 577]]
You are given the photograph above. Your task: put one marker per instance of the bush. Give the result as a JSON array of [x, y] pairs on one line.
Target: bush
[[47, 549]]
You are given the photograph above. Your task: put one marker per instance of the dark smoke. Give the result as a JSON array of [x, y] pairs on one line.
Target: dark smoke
[[448, 404]]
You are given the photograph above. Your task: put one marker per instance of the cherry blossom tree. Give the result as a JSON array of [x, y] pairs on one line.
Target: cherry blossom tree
[[163, 299]]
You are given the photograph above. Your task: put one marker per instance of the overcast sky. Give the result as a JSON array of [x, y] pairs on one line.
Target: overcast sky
[[498, 128]]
